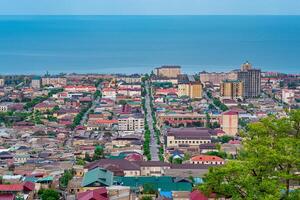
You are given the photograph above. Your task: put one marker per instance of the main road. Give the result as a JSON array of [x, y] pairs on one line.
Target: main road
[[153, 144]]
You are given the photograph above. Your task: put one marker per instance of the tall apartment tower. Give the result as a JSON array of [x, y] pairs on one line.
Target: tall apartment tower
[[251, 79], [232, 89]]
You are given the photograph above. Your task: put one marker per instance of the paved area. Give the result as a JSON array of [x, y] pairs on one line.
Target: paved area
[[153, 145]]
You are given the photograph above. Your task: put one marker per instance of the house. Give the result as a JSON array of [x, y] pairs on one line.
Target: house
[[121, 167], [97, 177], [197, 195], [44, 106], [207, 160]]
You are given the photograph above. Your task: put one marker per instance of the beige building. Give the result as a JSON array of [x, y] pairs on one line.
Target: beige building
[[168, 71], [2, 81], [56, 81], [36, 83], [230, 122], [216, 78], [192, 89], [188, 136], [232, 89], [131, 123]]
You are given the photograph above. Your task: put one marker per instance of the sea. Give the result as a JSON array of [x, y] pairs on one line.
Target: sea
[[137, 44]]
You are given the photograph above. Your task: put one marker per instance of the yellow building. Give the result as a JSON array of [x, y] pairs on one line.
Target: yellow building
[[230, 122], [168, 71], [192, 89], [232, 89]]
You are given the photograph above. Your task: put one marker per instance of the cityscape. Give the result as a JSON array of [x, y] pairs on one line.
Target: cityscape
[[149, 100], [159, 135]]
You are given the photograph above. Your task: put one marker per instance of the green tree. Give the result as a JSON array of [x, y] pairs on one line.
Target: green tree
[[65, 178], [267, 164], [98, 153], [48, 194]]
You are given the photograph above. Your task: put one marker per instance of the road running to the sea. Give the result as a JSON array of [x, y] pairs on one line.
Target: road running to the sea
[[153, 144]]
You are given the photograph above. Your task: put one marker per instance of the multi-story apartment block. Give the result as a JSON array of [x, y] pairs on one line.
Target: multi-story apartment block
[[56, 81], [230, 122], [36, 83], [216, 78], [131, 123], [2, 82], [187, 86], [168, 71], [251, 79], [232, 89]]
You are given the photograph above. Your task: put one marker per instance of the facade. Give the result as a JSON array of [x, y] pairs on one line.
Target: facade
[[216, 78], [187, 86], [4, 107], [288, 96], [188, 136], [2, 82], [36, 83], [232, 89], [168, 71], [56, 81], [207, 160], [230, 122], [131, 123], [251, 79]]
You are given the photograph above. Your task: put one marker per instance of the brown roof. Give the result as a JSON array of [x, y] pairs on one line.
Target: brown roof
[[191, 133]]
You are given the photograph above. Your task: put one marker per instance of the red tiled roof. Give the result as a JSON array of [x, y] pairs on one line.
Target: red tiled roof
[[206, 158], [7, 196], [97, 194], [11, 188], [197, 195]]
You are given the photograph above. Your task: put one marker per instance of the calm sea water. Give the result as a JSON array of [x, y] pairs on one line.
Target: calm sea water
[[130, 44]]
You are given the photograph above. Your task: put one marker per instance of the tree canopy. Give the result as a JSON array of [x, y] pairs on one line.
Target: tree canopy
[[267, 165]]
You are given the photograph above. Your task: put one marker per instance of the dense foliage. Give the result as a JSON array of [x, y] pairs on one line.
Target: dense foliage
[[267, 166]]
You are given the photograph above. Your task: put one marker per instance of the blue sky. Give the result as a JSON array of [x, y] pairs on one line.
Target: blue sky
[[150, 7]]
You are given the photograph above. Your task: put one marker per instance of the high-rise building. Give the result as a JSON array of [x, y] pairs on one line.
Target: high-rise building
[[230, 122], [2, 81], [251, 79], [168, 71], [232, 89], [188, 86], [36, 83]]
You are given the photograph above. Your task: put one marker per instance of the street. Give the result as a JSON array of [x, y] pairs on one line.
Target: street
[[153, 145]]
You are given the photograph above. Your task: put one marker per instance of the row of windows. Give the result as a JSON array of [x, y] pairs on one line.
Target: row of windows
[[190, 142]]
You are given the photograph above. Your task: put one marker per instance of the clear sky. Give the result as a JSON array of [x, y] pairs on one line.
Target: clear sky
[[150, 7]]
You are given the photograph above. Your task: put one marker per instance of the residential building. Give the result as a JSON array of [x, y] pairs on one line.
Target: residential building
[[97, 177], [55, 81], [168, 71], [251, 79], [216, 78], [288, 96], [207, 160], [188, 136], [4, 107], [232, 89], [80, 88], [131, 123], [230, 122], [2, 82], [187, 86], [36, 83]]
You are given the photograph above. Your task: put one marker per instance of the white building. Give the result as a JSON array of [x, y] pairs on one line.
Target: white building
[[288, 96], [131, 123]]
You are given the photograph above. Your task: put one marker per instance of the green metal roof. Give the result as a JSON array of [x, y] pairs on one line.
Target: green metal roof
[[162, 183], [45, 179], [97, 177]]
